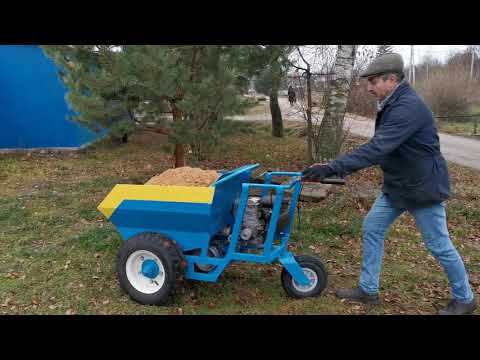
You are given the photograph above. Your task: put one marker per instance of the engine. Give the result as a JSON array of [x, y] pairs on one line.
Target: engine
[[256, 220], [253, 227]]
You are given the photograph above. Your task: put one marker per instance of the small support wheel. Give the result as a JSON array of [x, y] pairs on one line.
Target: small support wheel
[[148, 266], [314, 269]]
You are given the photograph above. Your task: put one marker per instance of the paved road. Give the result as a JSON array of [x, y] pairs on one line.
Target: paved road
[[460, 150]]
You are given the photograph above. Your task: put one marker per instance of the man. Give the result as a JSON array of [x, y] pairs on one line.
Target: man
[[406, 146]]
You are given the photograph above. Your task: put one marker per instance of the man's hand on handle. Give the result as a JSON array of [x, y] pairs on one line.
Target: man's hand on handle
[[317, 172]]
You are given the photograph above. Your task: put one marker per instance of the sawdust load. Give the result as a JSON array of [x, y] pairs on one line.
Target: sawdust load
[[185, 176]]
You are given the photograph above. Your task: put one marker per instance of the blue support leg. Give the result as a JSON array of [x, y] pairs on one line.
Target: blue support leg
[[289, 262]]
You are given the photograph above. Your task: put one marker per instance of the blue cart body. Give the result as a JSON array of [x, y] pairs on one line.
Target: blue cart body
[[193, 216]]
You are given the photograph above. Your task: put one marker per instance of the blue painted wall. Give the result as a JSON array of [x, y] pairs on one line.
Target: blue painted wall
[[33, 109]]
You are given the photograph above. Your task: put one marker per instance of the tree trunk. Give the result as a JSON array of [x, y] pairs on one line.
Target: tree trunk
[[331, 136], [179, 153], [309, 117], [277, 121]]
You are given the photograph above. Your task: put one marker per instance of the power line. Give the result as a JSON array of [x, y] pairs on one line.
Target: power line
[[444, 51], [440, 51]]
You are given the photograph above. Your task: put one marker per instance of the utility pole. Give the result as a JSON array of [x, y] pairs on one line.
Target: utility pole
[[471, 66], [427, 71], [410, 72], [413, 67], [410, 67]]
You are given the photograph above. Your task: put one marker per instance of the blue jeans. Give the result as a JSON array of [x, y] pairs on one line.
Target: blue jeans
[[431, 221]]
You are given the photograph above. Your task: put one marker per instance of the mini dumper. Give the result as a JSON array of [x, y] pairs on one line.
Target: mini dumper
[[196, 232]]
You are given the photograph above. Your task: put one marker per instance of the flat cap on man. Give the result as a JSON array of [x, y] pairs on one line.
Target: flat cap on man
[[384, 64]]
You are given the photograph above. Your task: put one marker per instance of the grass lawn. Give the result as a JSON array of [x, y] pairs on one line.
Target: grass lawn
[[465, 128], [458, 128], [57, 252]]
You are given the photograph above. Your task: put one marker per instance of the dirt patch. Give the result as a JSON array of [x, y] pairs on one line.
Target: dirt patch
[[185, 176]]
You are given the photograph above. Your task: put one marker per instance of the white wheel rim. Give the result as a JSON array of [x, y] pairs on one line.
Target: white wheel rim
[[312, 276], [135, 276]]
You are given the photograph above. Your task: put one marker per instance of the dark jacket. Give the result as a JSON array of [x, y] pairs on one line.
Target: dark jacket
[[407, 148]]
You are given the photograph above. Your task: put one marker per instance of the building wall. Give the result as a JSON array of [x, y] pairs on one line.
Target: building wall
[[33, 109]]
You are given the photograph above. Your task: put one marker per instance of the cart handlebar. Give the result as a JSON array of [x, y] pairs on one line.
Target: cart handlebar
[[333, 181]]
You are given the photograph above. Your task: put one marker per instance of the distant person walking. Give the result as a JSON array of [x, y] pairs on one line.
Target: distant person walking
[[292, 97]]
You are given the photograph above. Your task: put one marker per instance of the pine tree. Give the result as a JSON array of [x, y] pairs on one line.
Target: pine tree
[[92, 91], [197, 84], [271, 65]]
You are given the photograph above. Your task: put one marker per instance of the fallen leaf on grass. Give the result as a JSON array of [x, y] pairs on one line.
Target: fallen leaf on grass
[[12, 275]]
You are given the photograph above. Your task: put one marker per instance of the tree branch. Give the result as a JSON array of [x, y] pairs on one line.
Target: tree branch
[[305, 61], [157, 130], [295, 66]]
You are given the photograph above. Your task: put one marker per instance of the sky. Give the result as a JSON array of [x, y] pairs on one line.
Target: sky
[[439, 52]]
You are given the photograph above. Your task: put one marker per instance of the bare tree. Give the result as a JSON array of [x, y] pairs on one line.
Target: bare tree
[[360, 101], [384, 49], [475, 53], [364, 56], [331, 135], [313, 65]]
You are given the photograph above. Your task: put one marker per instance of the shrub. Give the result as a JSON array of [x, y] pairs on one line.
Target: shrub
[[447, 92], [360, 102]]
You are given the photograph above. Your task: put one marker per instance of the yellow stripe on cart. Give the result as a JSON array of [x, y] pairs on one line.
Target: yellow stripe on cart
[[187, 194]]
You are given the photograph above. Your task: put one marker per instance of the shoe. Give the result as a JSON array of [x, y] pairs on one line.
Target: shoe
[[457, 308], [357, 294]]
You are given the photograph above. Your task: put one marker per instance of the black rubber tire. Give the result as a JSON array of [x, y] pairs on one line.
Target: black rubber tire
[[167, 252], [313, 263]]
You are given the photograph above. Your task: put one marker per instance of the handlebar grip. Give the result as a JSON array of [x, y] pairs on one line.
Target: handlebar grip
[[333, 181]]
